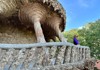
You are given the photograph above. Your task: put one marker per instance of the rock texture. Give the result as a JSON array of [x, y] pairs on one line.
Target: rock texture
[[14, 33], [50, 8], [33, 59]]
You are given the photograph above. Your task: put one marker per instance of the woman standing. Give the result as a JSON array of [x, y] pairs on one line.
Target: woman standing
[[75, 40]]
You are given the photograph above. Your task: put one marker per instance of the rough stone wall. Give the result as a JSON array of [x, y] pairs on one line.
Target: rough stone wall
[[9, 7], [10, 32], [15, 59]]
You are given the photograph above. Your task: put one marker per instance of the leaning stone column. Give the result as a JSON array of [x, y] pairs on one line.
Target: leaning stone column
[[87, 53], [68, 54], [38, 31]]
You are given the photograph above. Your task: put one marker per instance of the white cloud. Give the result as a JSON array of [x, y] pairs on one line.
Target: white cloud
[[87, 3], [80, 27], [83, 3]]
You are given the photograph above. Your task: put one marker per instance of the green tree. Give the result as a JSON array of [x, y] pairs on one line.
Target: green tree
[[89, 35]]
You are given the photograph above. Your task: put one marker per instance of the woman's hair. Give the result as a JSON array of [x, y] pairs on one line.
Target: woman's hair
[[75, 35]]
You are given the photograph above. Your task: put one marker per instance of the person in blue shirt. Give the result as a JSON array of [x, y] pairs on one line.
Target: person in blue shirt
[[75, 40]]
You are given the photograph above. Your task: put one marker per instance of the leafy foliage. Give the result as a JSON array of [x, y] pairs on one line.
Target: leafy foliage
[[89, 35]]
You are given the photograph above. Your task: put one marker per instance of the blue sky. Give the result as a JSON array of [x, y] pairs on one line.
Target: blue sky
[[80, 12]]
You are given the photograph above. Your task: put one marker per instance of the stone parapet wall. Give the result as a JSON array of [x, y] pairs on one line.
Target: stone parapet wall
[[52, 58]]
